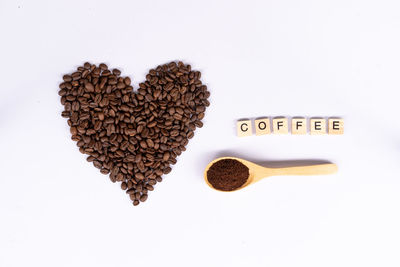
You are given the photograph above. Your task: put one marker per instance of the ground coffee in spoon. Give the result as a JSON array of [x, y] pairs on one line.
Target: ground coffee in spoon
[[227, 174]]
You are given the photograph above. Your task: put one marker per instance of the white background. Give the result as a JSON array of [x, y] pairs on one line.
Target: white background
[[258, 58]]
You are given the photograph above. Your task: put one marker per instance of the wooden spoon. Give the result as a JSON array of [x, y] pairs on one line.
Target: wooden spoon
[[257, 172]]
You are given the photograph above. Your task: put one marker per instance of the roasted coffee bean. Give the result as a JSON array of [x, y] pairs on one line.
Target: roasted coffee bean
[[104, 171], [127, 81], [167, 170], [124, 186], [149, 187], [103, 66], [67, 78], [139, 176], [89, 87], [143, 198], [65, 114], [133, 137], [152, 182], [130, 191]]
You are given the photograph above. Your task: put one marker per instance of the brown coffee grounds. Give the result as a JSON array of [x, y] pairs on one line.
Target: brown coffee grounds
[[227, 174]]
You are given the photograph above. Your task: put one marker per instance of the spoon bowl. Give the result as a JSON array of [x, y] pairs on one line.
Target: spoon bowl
[[257, 172]]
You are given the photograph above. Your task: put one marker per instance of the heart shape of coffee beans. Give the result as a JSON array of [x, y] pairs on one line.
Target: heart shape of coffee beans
[[134, 137]]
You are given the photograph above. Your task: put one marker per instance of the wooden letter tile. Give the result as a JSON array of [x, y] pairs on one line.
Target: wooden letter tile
[[299, 126], [244, 128], [336, 126], [262, 126], [280, 125], [317, 126]]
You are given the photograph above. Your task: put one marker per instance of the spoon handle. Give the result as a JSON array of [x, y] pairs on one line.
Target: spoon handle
[[306, 170]]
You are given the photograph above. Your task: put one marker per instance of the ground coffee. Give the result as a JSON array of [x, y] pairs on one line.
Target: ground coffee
[[227, 174], [133, 136]]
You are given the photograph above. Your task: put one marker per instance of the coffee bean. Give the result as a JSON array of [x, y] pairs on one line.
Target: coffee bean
[[130, 191], [62, 92], [116, 72], [143, 198], [120, 85], [105, 171], [166, 156], [103, 66], [127, 81], [143, 144], [149, 187], [133, 137], [174, 133], [124, 186], [67, 78], [138, 158], [89, 87], [150, 142], [139, 176], [87, 65], [65, 114], [97, 164], [152, 124]]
